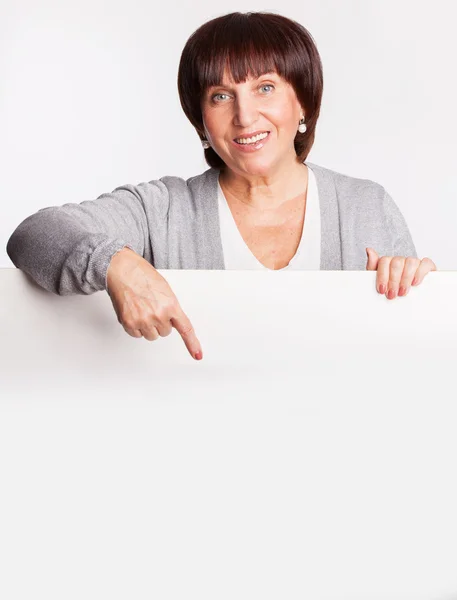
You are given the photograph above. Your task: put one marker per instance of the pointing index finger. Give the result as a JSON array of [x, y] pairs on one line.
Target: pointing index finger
[[185, 329]]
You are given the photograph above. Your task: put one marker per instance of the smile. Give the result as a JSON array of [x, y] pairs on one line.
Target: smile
[[253, 143], [252, 139]]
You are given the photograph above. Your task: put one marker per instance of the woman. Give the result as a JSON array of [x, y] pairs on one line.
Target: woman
[[251, 85]]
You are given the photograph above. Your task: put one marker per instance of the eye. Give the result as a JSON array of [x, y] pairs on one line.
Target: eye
[[216, 97], [267, 85]]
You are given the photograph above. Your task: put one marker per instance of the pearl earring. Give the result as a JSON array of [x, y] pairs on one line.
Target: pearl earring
[[205, 144], [302, 126]]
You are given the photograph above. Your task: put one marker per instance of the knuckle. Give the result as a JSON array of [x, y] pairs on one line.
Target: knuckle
[[129, 324], [164, 332], [161, 315], [187, 330], [397, 262], [133, 332], [173, 306], [148, 318], [151, 337], [144, 320]]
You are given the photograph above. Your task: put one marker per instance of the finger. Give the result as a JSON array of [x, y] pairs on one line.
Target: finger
[[147, 322], [426, 265], [164, 329], [130, 325], [373, 259], [184, 327], [409, 270], [136, 333], [149, 332], [382, 277], [395, 273]]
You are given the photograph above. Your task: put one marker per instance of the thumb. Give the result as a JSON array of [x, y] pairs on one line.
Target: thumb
[[373, 259]]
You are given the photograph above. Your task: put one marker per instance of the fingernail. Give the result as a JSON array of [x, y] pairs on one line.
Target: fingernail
[[198, 355], [402, 291], [391, 294], [382, 288], [414, 281]]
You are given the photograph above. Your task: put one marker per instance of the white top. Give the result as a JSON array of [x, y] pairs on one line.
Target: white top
[[308, 256]]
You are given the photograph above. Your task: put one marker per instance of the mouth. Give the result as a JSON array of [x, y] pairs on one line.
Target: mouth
[[253, 144], [251, 139]]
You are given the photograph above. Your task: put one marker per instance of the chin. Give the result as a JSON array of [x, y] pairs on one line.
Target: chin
[[258, 166]]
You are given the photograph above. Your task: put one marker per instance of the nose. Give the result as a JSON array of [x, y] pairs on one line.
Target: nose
[[246, 111]]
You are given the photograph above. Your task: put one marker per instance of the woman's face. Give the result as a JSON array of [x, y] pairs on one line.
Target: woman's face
[[267, 106]]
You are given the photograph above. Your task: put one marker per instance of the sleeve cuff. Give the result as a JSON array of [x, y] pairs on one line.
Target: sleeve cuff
[[99, 261]]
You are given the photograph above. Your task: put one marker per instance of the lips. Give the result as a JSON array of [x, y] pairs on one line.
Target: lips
[[251, 134], [249, 148]]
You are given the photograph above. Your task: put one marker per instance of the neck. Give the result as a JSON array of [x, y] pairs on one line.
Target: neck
[[265, 191]]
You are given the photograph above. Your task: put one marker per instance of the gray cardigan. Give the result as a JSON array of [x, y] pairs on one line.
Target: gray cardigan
[[174, 224]]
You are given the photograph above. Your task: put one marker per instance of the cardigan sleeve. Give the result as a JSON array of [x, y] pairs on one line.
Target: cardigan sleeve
[[402, 242], [67, 249]]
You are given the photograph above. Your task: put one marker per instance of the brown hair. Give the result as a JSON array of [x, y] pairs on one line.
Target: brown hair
[[251, 44]]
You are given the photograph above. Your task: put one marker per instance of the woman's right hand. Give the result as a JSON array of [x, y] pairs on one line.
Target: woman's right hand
[[145, 304]]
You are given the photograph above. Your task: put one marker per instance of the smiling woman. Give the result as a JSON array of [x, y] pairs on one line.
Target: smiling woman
[[251, 85], [276, 101]]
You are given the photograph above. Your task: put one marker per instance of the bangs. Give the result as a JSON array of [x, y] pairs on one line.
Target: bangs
[[243, 48]]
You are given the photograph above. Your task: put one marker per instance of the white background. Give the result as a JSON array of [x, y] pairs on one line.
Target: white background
[[311, 454], [88, 101]]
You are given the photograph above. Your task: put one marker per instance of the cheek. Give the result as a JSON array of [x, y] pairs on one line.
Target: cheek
[[282, 116], [213, 124]]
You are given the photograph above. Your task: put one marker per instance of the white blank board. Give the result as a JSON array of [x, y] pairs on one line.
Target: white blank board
[[311, 453]]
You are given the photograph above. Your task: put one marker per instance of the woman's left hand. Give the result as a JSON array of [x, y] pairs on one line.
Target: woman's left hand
[[396, 274]]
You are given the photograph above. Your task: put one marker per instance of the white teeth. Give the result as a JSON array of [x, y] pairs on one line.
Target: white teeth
[[251, 140]]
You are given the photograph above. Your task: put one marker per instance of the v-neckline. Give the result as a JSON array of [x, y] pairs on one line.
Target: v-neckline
[[331, 252], [239, 235]]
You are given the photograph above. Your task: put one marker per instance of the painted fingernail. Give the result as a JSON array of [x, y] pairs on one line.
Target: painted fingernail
[[402, 291], [198, 355], [391, 294], [382, 288]]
